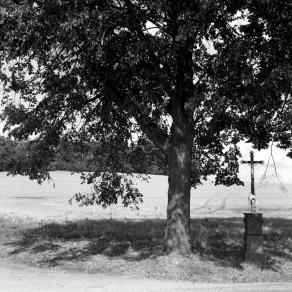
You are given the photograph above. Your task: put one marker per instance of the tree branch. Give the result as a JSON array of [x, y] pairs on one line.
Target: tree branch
[[161, 76], [153, 59], [147, 125]]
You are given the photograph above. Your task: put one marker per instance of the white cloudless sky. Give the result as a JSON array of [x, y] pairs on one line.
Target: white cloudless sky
[[282, 162]]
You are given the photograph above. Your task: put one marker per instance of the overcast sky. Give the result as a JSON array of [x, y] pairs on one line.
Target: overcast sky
[[282, 162]]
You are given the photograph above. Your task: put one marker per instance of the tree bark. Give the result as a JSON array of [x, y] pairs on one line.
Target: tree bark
[[177, 235]]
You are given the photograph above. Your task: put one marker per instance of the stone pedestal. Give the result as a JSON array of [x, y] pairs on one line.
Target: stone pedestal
[[253, 238]]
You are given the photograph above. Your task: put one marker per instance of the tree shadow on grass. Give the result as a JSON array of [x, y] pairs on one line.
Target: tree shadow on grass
[[215, 239], [78, 240], [221, 240]]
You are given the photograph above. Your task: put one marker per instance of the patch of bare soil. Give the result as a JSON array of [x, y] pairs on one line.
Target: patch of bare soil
[[132, 248]]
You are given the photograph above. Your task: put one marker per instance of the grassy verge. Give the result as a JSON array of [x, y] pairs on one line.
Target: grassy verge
[[133, 248]]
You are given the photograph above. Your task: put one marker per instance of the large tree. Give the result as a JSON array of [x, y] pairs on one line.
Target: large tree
[[194, 76]]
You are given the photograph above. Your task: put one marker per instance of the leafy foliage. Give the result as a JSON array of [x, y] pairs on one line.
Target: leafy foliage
[[229, 169], [111, 187], [216, 71], [7, 151], [84, 157]]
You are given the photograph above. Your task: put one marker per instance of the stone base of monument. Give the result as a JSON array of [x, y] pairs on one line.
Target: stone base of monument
[[253, 238]]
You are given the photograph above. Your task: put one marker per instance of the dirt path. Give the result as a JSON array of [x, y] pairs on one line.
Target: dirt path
[[19, 278]]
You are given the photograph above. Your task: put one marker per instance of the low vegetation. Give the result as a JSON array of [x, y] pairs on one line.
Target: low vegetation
[[143, 157], [134, 248]]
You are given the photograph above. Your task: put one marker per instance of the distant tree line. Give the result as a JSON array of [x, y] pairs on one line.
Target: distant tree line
[[141, 157]]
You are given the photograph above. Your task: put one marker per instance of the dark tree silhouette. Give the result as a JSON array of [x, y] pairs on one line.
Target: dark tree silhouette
[[194, 76]]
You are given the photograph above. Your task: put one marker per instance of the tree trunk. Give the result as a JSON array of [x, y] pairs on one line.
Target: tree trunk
[[177, 235]]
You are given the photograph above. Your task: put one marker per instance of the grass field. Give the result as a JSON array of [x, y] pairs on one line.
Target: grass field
[[24, 198], [39, 228]]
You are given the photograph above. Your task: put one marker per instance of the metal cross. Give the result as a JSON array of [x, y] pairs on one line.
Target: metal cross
[[252, 163]]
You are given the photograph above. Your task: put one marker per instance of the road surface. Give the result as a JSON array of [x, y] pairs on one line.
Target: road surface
[[19, 278]]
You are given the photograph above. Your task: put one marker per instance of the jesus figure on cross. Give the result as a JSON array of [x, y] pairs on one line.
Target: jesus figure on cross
[[252, 196]]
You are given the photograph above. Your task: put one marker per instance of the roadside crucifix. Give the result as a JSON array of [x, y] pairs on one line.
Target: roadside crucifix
[[252, 195], [253, 247]]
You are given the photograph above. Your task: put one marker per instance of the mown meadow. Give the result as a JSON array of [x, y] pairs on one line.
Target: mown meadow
[[39, 228]]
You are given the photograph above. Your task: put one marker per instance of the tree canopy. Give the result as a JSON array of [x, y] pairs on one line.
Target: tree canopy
[[195, 77]]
